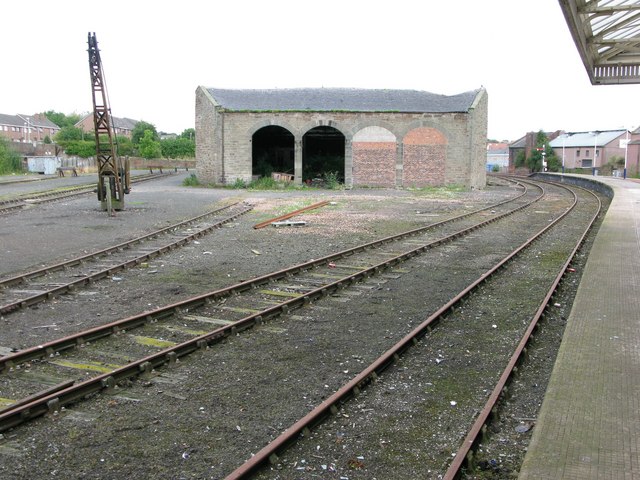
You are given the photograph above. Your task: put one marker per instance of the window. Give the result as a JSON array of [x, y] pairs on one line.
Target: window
[[578, 153], [587, 162], [586, 153], [597, 152]]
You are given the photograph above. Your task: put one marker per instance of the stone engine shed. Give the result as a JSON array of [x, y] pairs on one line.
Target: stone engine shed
[[377, 138]]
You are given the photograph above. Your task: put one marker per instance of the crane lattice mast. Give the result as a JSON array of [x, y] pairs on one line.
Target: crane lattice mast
[[113, 177]]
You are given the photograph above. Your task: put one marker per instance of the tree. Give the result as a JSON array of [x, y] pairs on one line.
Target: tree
[[534, 162], [62, 120], [189, 133], [125, 146], [9, 158], [139, 131], [178, 148], [148, 147], [81, 148], [67, 135]]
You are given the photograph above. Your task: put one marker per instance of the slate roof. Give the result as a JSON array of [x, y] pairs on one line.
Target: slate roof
[[586, 139], [38, 120], [19, 120], [10, 120], [116, 122], [124, 123], [520, 143], [342, 99]]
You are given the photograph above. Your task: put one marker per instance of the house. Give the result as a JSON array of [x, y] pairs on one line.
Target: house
[[367, 137], [633, 153], [121, 126], [590, 150], [497, 157], [27, 128]]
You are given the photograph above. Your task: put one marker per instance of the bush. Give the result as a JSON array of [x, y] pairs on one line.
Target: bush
[[191, 181], [9, 159], [331, 180], [264, 183], [239, 183]]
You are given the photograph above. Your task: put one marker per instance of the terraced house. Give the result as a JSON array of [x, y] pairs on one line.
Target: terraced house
[[27, 128], [381, 138]]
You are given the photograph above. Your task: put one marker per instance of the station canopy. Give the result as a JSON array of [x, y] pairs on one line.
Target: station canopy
[[607, 35]]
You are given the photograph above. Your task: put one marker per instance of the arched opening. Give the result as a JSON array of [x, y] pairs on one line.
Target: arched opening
[[323, 154], [272, 151]]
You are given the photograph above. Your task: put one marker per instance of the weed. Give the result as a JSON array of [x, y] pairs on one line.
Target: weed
[[191, 181], [331, 180]]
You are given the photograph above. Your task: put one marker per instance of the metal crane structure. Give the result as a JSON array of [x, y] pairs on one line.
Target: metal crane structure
[[113, 173], [607, 35]]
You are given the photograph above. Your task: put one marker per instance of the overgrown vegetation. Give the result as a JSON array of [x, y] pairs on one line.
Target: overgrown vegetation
[[616, 162], [191, 181], [331, 180], [145, 140], [534, 161], [10, 161]]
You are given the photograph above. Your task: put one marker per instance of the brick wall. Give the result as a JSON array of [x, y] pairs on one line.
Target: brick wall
[[424, 157], [374, 164]]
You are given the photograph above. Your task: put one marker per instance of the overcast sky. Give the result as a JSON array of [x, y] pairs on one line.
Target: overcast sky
[[156, 53]]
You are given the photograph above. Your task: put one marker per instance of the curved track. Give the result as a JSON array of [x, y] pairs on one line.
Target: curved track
[[335, 404], [372, 265]]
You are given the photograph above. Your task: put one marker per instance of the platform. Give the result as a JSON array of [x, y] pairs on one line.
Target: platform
[[589, 423]]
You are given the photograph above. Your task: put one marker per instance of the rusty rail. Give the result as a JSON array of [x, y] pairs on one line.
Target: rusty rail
[[40, 351], [464, 456], [291, 214], [55, 401], [40, 297], [270, 452]]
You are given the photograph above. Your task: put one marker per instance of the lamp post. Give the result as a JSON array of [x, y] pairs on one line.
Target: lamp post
[[626, 146], [595, 149]]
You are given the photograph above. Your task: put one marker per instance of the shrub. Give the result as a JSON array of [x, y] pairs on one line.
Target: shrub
[[9, 158], [239, 183], [264, 183], [191, 181], [331, 180]]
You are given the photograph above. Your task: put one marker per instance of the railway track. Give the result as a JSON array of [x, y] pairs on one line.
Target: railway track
[[215, 308], [45, 283], [23, 201], [165, 335], [411, 361]]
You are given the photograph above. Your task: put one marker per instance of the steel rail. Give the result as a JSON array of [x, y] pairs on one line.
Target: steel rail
[[37, 198], [132, 262], [270, 452], [18, 279], [12, 417], [464, 455], [291, 214], [9, 361]]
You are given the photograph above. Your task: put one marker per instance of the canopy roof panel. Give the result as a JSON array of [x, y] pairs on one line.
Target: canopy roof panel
[[607, 35]]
